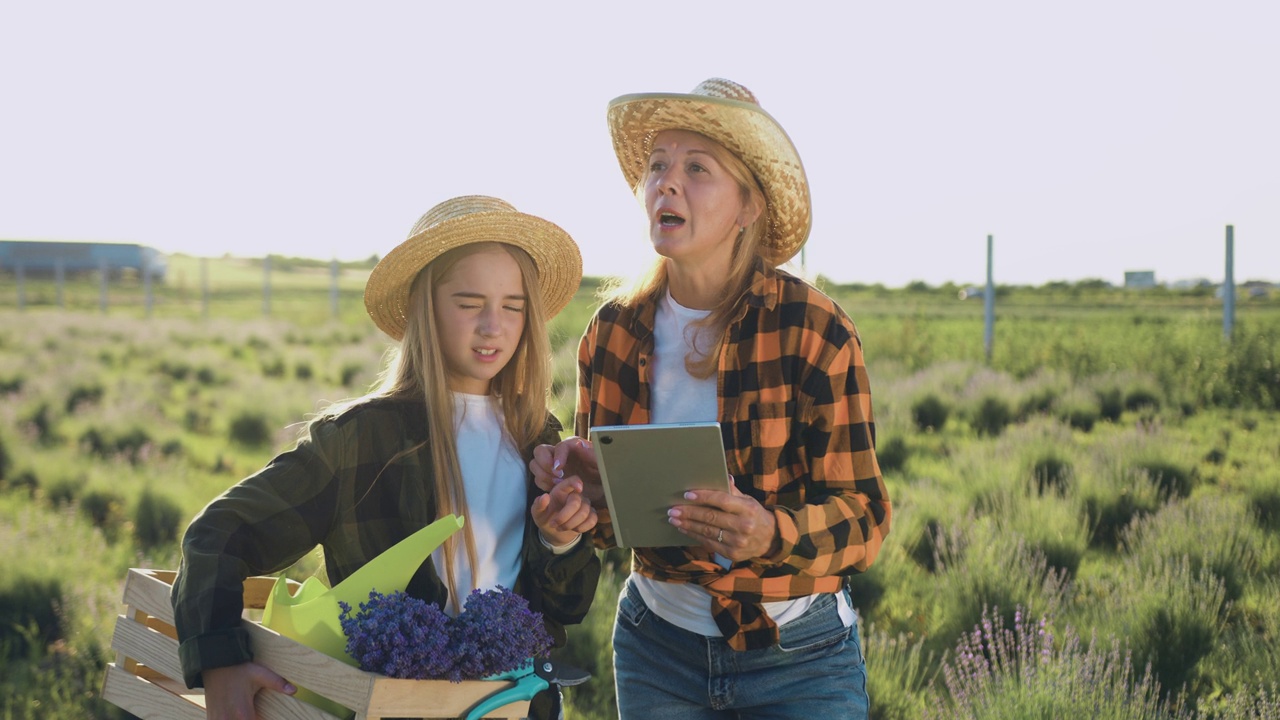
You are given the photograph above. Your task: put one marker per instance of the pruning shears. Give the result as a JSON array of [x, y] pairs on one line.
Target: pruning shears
[[533, 677]]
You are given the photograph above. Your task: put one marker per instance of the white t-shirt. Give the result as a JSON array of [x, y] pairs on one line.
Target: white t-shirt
[[680, 397], [493, 477]]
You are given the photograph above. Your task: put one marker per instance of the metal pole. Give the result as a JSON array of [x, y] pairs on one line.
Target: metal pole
[[1229, 287], [59, 279], [204, 287], [989, 303], [103, 271], [266, 285], [21, 272], [333, 288]]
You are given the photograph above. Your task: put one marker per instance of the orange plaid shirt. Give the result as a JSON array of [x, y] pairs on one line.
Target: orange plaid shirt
[[799, 436]]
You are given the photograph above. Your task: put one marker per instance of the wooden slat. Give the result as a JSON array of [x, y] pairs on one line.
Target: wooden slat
[[147, 700], [405, 698], [149, 647], [272, 705], [313, 670], [146, 590]]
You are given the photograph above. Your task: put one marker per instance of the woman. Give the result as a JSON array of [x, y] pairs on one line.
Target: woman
[[755, 620], [449, 430]]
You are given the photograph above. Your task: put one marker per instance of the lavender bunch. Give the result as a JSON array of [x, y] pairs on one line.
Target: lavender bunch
[[398, 636], [403, 637], [496, 632]]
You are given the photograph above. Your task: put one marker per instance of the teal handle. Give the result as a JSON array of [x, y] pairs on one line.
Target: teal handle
[[526, 687]]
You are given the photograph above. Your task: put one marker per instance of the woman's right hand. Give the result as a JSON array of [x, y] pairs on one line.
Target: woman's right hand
[[571, 457], [229, 691]]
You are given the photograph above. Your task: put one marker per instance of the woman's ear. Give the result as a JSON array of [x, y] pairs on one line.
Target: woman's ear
[[751, 210]]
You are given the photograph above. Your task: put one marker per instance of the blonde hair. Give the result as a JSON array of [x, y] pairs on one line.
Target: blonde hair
[[417, 372], [745, 260]]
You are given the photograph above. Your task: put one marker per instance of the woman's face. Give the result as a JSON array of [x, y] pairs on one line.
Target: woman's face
[[695, 206], [479, 308]]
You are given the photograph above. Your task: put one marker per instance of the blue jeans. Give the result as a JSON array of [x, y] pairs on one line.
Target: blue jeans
[[663, 672]]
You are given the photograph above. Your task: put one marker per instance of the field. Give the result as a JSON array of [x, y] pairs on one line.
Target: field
[[1088, 525]]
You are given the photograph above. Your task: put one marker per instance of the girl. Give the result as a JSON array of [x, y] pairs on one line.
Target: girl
[[450, 429]]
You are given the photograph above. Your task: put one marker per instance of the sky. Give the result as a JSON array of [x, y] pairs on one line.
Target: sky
[[1087, 138]]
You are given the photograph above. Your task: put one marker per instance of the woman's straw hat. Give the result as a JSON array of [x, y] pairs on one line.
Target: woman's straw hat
[[463, 221], [728, 113]]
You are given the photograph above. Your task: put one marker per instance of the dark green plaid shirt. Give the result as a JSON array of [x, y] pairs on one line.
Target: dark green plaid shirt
[[336, 489]]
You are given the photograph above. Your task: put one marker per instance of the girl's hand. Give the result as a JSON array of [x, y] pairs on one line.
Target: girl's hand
[[729, 523], [570, 458], [563, 514], [229, 691]]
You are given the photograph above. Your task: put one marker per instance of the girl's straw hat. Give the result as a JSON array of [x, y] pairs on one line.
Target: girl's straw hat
[[463, 221], [728, 113]]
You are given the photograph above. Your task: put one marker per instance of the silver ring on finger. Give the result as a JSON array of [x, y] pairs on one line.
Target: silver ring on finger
[[720, 536]]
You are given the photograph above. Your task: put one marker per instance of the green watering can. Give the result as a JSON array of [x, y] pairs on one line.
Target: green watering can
[[310, 616]]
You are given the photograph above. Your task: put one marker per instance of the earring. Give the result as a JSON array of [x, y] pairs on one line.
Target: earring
[[742, 229]]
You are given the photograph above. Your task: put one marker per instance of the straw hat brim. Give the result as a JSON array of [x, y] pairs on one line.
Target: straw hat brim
[[746, 130], [556, 255]]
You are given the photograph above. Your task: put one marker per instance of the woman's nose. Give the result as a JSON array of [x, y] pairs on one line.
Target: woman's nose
[[665, 183]]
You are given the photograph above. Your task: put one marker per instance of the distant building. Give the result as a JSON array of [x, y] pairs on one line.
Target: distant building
[[1139, 278], [42, 258]]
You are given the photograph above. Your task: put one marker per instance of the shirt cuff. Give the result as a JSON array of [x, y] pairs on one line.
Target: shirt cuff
[[559, 549]]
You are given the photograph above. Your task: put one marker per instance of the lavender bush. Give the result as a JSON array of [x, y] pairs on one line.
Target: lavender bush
[[403, 637]]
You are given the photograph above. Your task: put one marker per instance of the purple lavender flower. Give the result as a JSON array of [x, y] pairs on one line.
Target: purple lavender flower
[[403, 637]]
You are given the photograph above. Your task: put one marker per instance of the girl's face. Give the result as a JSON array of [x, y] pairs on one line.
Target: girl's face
[[695, 207], [479, 314]]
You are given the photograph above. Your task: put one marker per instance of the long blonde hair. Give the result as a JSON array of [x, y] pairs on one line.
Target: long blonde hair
[[746, 258], [418, 372]]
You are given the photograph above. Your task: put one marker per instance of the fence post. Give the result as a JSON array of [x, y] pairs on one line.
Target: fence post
[[59, 279], [146, 284], [21, 276], [103, 273], [333, 288], [204, 287], [266, 285], [1229, 288], [989, 307]]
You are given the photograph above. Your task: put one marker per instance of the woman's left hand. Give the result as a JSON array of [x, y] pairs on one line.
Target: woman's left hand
[[730, 523]]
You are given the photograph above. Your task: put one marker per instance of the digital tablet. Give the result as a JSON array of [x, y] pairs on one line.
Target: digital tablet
[[646, 469]]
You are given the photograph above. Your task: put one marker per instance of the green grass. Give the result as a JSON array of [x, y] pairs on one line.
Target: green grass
[[1132, 489]]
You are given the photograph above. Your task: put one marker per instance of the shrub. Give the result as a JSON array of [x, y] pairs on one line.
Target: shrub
[[892, 454], [105, 509], [930, 413], [1170, 479], [6, 461], [349, 372], [273, 367], [250, 428], [22, 480], [1141, 398], [40, 419], [11, 384], [991, 416], [1038, 401], [64, 492], [1264, 502], [1017, 669], [1207, 534], [156, 520], [1171, 616], [902, 676], [1051, 473], [88, 394], [303, 370], [1110, 404], [1111, 514], [207, 376], [27, 604]]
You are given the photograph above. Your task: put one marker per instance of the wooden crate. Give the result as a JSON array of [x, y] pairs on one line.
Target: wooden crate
[[146, 678]]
